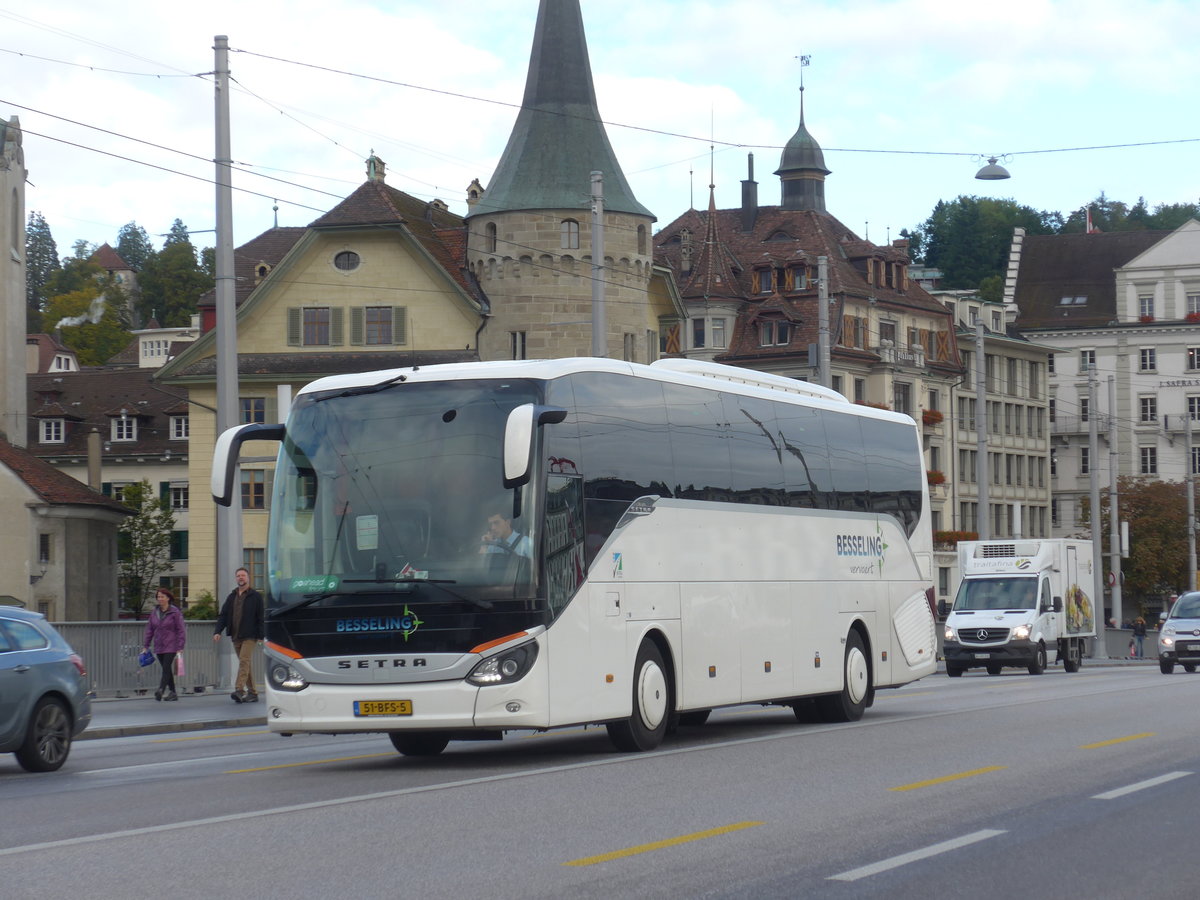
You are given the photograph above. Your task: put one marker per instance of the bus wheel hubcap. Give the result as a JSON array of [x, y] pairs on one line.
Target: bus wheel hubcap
[[652, 695], [856, 675]]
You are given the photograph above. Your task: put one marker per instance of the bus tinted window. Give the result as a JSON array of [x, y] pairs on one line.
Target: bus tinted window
[[699, 443], [805, 456], [895, 481], [847, 462], [755, 449]]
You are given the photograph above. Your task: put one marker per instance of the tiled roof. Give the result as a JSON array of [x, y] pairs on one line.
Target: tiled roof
[[92, 398], [108, 258], [779, 236], [316, 365], [48, 347], [1054, 266], [268, 248], [52, 486]]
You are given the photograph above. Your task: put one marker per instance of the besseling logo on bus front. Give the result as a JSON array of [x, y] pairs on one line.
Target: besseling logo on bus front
[[405, 624], [859, 545]]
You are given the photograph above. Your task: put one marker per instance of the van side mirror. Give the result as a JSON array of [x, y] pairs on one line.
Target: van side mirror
[[943, 608], [1058, 604]]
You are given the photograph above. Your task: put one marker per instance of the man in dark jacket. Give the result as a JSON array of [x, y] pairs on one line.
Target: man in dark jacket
[[242, 619]]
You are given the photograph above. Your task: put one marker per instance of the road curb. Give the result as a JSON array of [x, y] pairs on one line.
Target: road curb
[[92, 734]]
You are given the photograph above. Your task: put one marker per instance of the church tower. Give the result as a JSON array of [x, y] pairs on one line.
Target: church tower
[[530, 231], [12, 283]]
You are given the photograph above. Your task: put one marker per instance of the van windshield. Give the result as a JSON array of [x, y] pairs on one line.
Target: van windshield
[[996, 593]]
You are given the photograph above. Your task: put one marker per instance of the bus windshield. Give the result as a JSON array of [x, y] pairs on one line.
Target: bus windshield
[[394, 497], [997, 593]]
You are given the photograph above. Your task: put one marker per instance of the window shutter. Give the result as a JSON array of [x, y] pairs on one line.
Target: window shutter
[[356, 324], [268, 486], [270, 409], [164, 492], [336, 336], [106, 489], [400, 324], [789, 279], [756, 282], [293, 326]]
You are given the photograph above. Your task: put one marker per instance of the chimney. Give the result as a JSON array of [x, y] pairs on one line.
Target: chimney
[[375, 168], [93, 460], [749, 198]]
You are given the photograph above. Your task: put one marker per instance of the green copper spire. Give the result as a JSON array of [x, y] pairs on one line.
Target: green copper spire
[[558, 138]]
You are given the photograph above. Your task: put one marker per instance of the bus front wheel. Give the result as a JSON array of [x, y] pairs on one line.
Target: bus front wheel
[[419, 743], [848, 706], [644, 729]]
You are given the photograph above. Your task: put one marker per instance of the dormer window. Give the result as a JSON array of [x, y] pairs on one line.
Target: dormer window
[[124, 428], [797, 278], [764, 281], [774, 333], [53, 431]]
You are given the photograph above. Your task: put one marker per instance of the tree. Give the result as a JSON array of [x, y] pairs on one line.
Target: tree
[[1158, 553], [1169, 216], [82, 249], [144, 545], [177, 235], [172, 284], [968, 239], [91, 320], [133, 246], [41, 261]]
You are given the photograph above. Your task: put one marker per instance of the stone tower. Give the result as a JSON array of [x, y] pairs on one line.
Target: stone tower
[[12, 283], [530, 232]]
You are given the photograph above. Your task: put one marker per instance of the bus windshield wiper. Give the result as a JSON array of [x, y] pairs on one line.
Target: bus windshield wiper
[[309, 599], [365, 389]]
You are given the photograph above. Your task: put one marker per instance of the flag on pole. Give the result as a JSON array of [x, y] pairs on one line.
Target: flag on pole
[[805, 60], [1091, 229]]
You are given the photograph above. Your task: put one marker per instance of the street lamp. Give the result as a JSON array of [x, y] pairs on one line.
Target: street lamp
[[993, 171]]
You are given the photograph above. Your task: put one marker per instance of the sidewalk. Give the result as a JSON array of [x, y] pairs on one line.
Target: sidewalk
[[128, 716]]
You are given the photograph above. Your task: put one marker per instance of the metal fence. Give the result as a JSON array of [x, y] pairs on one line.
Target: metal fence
[[110, 653]]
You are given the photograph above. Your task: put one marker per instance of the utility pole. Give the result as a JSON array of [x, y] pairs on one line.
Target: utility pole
[[823, 374], [984, 516], [229, 518], [1190, 482], [599, 318], [1099, 650], [1114, 530]]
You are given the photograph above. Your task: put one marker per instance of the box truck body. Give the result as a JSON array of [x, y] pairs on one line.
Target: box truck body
[[1025, 603]]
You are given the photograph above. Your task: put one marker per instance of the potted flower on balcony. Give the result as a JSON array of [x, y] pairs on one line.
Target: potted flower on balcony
[[1193, 317], [935, 477], [1145, 318], [930, 417], [951, 538]]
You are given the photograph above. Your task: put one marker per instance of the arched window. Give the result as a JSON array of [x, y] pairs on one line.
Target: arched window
[[641, 240], [489, 238], [570, 234]]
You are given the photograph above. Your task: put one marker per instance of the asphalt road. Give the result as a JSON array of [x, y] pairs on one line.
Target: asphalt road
[[980, 786]]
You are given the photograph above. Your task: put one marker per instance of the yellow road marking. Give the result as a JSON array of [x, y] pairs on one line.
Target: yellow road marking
[[946, 778], [1120, 740], [315, 762], [208, 737], [659, 845]]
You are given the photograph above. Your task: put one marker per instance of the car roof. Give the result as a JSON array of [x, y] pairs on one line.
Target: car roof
[[16, 612]]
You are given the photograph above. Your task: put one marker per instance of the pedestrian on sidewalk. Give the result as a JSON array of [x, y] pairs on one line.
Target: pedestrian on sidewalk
[[1139, 636], [242, 619], [166, 632]]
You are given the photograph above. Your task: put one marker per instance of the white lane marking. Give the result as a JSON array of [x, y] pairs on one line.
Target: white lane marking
[[905, 858], [1140, 786]]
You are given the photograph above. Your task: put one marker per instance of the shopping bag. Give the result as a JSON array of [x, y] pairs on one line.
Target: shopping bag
[[145, 658], [180, 669]]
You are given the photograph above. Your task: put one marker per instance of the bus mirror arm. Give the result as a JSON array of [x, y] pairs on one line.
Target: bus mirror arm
[[226, 451], [519, 434]]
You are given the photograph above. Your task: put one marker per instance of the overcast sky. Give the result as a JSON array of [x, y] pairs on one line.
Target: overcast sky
[[905, 97]]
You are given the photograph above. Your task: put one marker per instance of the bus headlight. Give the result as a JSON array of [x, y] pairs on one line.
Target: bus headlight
[[506, 667], [285, 678]]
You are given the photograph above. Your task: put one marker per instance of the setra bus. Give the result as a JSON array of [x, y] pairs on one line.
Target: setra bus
[[458, 551]]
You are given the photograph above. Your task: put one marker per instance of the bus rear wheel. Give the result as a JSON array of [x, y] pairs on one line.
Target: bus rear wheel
[[644, 730], [848, 705], [419, 743]]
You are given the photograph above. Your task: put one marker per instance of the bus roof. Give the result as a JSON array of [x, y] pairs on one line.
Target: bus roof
[[697, 373]]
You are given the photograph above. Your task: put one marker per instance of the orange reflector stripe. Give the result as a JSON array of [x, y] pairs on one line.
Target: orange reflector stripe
[[284, 651], [498, 641]]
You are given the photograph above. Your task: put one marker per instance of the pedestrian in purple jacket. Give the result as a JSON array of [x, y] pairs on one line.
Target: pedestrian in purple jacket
[[165, 630]]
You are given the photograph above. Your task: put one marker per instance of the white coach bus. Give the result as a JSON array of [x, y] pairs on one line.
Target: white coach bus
[[463, 550]]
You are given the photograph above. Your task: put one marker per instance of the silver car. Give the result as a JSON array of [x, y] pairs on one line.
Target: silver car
[[1179, 637], [44, 697]]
